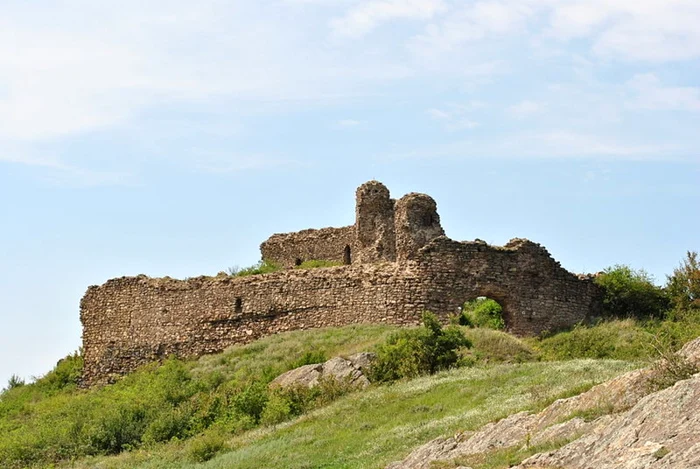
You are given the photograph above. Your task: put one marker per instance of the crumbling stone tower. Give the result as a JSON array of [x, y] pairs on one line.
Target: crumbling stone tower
[[375, 235], [416, 223]]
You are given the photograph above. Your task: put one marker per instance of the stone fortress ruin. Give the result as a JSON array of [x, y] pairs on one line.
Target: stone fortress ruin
[[397, 263]]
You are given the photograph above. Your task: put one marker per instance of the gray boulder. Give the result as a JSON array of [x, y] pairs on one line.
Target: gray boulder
[[350, 371]]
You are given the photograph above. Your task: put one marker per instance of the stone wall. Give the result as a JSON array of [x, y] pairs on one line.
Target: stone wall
[[132, 320], [536, 293], [290, 249], [398, 265]]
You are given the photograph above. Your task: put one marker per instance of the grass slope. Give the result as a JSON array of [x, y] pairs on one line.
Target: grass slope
[[369, 429], [163, 416]]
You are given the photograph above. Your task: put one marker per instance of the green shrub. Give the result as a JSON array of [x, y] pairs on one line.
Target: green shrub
[[262, 267], [630, 293], [168, 425], [14, 382], [669, 367], [252, 400], [482, 312], [677, 331], [205, 447], [65, 375], [310, 357], [119, 428], [413, 352], [684, 286], [619, 340], [299, 398], [278, 409]]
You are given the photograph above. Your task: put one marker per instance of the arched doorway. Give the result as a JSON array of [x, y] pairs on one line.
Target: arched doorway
[[485, 312]]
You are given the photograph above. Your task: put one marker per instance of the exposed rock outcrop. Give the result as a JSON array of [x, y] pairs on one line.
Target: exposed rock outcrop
[[661, 431], [350, 371], [643, 430]]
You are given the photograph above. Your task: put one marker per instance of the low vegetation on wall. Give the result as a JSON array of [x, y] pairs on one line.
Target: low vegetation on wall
[[266, 267]]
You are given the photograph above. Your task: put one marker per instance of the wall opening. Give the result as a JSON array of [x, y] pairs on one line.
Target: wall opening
[[238, 306], [298, 262], [483, 311], [347, 255]]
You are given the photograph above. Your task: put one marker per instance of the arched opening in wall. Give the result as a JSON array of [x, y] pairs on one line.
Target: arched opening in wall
[[347, 259], [298, 261], [238, 306], [485, 312]]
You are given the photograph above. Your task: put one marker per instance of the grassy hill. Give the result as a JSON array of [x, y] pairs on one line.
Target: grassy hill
[[183, 413]]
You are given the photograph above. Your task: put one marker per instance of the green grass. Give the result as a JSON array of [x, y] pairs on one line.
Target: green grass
[[183, 412], [262, 267], [627, 339], [51, 420], [369, 429], [491, 346]]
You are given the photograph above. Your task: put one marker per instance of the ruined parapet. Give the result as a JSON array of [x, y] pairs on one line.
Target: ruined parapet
[[132, 320], [292, 249], [375, 239], [536, 293], [416, 224]]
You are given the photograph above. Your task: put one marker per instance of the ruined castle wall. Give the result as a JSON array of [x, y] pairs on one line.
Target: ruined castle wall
[[132, 320], [536, 293], [328, 244], [401, 266]]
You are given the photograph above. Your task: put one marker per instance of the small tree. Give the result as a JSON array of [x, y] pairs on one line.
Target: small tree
[[631, 293], [415, 352], [684, 285], [14, 382]]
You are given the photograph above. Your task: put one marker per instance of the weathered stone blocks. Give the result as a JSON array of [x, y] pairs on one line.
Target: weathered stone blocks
[[401, 265]]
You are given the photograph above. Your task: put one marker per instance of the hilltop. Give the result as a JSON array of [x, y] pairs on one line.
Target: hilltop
[[182, 413]]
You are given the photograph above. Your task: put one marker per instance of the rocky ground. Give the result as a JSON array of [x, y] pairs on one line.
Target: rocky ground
[[623, 423]]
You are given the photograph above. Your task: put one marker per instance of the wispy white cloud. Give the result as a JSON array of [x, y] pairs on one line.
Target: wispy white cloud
[[456, 116], [651, 94], [646, 30], [635, 30], [526, 108], [556, 144], [469, 23], [217, 162], [78, 67], [363, 18]]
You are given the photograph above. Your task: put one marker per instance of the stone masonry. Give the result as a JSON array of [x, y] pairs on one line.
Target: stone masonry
[[398, 264]]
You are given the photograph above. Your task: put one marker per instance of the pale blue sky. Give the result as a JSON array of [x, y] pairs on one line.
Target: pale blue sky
[[172, 138]]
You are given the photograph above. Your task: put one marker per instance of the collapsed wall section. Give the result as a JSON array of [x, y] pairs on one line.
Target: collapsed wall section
[[327, 244], [536, 293], [130, 321]]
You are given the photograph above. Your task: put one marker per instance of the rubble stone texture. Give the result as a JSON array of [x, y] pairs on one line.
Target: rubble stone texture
[[400, 265]]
